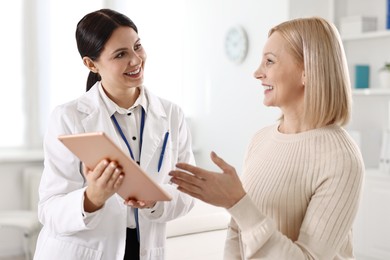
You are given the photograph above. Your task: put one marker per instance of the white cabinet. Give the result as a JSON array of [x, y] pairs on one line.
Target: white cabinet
[[372, 225], [370, 117], [369, 49]]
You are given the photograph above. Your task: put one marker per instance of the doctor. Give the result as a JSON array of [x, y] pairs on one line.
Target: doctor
[[82, 216]]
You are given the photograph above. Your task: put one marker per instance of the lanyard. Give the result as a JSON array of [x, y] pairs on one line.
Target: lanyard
[[160, 161], [131, 152], [140, 133]]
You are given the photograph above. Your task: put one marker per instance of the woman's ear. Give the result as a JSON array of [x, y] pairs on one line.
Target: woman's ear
[[88, 62], [303, 78]]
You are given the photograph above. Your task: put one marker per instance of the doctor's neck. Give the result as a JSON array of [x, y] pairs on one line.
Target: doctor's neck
[[124, 98]]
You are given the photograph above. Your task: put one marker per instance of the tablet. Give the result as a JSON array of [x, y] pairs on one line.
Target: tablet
[[91, 148]]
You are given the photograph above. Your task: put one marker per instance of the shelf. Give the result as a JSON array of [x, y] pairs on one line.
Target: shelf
[[17, 156], [367, 35], [371, 92]]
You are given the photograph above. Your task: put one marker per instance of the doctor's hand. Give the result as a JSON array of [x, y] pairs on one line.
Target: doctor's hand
[[141, 204], [219, 189], [103, 182]]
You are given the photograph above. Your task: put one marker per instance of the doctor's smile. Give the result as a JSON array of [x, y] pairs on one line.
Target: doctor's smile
[[134, 73]]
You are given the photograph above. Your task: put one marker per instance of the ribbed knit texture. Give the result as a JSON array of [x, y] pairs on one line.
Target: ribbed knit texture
[[304, 191]]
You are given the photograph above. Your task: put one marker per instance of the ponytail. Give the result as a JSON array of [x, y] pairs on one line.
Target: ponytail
[[92, 79]]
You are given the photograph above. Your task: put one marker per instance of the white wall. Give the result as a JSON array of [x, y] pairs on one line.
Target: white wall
[[223, 99], [302, 8]]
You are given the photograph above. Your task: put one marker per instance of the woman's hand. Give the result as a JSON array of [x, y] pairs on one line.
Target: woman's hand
[[103, 182], [219, 189]]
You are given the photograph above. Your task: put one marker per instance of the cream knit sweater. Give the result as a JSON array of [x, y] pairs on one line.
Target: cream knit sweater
[[303, 193]]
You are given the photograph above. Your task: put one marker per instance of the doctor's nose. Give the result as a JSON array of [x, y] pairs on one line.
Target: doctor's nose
[[135, 59]]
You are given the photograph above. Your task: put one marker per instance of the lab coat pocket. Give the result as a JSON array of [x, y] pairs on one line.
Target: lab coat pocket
[[157, 253], [167, 159], [58, 249]]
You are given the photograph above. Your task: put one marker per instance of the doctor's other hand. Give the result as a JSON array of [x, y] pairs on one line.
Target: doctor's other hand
[[141, 204], [219, 189], [103, 182]]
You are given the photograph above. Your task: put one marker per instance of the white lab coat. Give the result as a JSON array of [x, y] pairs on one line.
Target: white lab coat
[[65, 233]]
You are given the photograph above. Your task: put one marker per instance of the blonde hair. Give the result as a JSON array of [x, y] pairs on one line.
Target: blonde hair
[[316, 44]]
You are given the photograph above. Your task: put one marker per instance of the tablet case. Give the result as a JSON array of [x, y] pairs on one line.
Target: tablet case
[[93, 147]]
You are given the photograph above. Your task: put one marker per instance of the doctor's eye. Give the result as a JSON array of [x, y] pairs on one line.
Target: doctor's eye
[[120, 55], [137, 46]]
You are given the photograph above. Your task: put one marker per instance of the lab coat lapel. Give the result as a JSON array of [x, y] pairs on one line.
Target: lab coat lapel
[[98, 119], [156, 125]]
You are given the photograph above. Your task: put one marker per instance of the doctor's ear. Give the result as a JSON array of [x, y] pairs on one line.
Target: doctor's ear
[[88, 62]]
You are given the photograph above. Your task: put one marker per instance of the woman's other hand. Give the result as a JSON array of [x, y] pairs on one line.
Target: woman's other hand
[[219, 189]]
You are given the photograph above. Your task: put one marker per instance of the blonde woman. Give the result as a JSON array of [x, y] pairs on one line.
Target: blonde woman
[[302, 177]]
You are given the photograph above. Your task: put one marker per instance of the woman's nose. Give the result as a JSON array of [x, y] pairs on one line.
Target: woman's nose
[[258, 74]]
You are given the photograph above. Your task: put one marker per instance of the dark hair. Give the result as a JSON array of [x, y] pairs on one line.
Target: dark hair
[[92, 33]]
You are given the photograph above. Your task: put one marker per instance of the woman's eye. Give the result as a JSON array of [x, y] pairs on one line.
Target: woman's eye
[[137, 46], [269, 61]]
